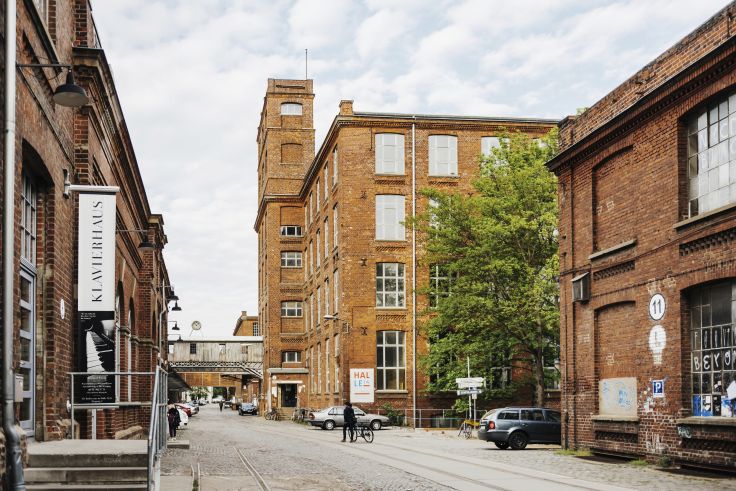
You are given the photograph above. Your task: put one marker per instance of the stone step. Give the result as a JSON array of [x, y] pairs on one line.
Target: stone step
[[88, 453], [63, 486], [93, 475]]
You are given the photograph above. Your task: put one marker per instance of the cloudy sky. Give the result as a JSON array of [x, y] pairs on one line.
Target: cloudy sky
[[191, 75]]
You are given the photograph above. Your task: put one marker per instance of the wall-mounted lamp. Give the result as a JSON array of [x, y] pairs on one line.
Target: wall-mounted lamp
[[145, 244], [176, 307], [176, 325], [68, 94]]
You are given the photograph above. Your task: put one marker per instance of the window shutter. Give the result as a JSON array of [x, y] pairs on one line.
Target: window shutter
[[452, 155], [399, 154], [379, 154], [379, 217], [432, 155], [400, 227]]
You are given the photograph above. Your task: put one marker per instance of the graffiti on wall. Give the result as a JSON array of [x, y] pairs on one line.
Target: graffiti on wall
[[617, 396]]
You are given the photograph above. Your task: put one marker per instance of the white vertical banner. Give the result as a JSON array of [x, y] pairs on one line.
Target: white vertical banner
[[96, 296], [362, 385]]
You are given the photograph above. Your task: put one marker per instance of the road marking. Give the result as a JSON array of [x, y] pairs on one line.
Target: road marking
[[253, 472]]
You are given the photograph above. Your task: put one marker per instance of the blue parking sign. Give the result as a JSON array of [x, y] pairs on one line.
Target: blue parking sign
[[658, 388]]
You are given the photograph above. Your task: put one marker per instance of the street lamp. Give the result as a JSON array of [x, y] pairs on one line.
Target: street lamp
[[68, 94]]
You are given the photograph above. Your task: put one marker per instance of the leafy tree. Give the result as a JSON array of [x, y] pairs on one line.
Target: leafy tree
[[499, 247], [198, 392]]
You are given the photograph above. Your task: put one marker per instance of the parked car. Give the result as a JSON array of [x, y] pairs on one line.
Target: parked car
[[187, 409], [183, 417], [228, 403], [194, 406], [328, 418], [515, 427], [217, 399], [247, 408]]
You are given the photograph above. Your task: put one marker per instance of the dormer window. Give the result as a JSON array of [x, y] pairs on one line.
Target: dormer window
[[291, 109]]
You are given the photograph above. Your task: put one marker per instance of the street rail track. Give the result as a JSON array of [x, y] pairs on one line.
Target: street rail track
[[451, 474], [252, 470]]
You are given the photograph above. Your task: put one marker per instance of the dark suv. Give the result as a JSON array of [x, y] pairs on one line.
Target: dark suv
[[516, 426]]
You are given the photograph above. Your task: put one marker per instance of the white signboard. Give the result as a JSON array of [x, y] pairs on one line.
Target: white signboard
[[96, 297], [657, 306], [362, 385], [468, 382]]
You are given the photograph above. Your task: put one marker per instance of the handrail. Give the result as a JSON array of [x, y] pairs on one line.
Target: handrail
[[156, 440]]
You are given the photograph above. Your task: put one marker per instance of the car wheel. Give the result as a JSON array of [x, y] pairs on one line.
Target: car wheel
[[502, 445], [328, 425], [376, 425], [518, 440]]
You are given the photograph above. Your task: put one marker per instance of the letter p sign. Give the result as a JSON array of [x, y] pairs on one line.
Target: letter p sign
[[658, 388]]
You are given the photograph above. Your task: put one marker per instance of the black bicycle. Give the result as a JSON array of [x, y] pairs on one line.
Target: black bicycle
[[361, 431]]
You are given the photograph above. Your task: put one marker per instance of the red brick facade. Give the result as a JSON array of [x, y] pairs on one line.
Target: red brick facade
[[338, 242], [90, 145], [630, 223]]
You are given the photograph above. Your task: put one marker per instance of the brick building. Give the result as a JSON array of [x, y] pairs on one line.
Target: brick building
[[54, 146], [647, 189], [337, 265], [247, 325]]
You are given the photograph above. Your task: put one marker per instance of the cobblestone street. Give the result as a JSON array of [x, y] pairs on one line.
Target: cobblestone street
[[288, 456]]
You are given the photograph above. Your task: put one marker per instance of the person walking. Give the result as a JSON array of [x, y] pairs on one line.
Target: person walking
[[222, 403], [348, 426], [172, 415]]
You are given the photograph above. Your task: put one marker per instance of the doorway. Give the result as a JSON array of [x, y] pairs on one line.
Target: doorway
[[288, 395]]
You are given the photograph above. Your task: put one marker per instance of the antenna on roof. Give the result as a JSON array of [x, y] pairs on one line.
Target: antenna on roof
[[306, 61]]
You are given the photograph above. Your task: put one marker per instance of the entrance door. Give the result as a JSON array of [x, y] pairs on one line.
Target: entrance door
[[27, 349], [288, 395]]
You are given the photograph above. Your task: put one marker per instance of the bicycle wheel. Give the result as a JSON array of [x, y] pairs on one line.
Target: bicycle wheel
[[368, 434], [353, 434]]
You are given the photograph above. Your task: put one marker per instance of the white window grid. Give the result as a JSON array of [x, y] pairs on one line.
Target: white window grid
[[319, 306], [334, 166], [389, 153], [327, 297], [256, 329], [390, 217], [29, 220], [391, 360], [390, 285], [319, 255], [336, 288], [291, 230], [27, 363], [712, 157], [291, 356], [440, 281], [291, 309], [291, 259], [317, 191], [326, 182], [311, 311], [311, 257], [334, 226], [442, 155], [291, 109]]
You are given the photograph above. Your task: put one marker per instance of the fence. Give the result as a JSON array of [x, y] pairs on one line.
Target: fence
[[428, 417]]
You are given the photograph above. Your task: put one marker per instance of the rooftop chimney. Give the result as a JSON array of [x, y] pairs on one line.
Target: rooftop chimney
[[346, 108]]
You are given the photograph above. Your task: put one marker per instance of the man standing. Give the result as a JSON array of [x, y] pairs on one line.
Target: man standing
[[222, 403], [348, 426]]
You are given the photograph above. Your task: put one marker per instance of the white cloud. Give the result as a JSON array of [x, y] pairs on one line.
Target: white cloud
[[191, 78]]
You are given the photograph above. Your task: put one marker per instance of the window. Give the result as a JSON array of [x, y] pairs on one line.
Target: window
[[327, 182], [554, 416], [334, 226], [319, 368], [432, 206], [391, 363], [256, 329], [192, 348], [532, 415], [501, 371], [28, 224], [440, 280], [27, 367], [306, 270], [311, 204], [711, 155], [335, 282], [326, 228], [389, 153], [327, 297], [291, 309], [390, 217], [43, 8], [442, 155], [306, 215], [291, 230], [243, 349], [311, 256], [319, 306], [319, 256], [327, 365], [291, 259], [513, 415], [488, 143], [390, 285], [291, 356], [311, 371], [713, 367], [291, 109], [334, 166], [223, 348], [337, 363], [311, 310], [171, 347], [316, 188]]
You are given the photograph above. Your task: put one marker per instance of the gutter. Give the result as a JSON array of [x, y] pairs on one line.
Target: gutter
[[414, 273], [13, 463]]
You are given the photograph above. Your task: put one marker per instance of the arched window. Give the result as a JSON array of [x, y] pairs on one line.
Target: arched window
[[291, 109]]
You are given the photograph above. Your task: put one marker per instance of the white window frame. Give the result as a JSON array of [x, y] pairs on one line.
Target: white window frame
[[443, 155], [256, 329], [390, 288], [319, 255], [336, 289], [319, 368], [291, 231], [399, 347], [326, 179], [319, 306], [327, 364], [334, 166], [291, 356], [326, 229], [327, 296], [311, 311], [389, 153], [291, 109], [317, 191], [291, 259], [390, 217], [291, 308], [337, 363], [334, 226]]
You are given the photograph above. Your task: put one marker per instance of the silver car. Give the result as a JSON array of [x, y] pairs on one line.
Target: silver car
[[328, 418]]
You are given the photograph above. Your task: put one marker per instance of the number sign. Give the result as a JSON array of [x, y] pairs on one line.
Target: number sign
[[657, 306]]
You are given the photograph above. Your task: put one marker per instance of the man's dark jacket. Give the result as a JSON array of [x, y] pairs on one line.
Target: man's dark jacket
[[349, 414]]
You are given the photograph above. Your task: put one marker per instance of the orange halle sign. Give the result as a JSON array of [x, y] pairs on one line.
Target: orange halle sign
[[362, 385]]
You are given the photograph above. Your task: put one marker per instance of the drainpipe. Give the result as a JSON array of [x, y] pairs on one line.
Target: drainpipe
[[13, 462], [414, 273]]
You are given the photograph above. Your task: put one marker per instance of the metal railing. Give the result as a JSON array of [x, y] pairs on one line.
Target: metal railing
[[158, 422]]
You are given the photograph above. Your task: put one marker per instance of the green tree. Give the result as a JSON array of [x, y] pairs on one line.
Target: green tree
[[498, 247], [198, 392]]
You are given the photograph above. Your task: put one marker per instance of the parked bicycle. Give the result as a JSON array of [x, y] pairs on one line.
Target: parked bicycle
[[361, 431], [466, 429], [273, 415]]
